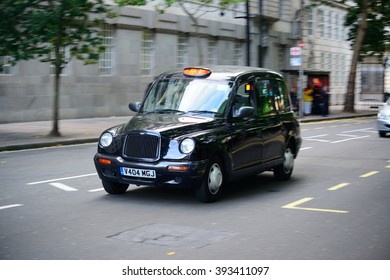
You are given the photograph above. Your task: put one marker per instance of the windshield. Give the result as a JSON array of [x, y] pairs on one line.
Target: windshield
[[188, 95]]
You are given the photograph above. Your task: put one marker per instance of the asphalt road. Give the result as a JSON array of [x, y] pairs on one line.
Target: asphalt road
[[336, 206]]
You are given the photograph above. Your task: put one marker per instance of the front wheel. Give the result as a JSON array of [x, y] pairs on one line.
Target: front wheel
[[284, 170], [114, 188], [211, 186]]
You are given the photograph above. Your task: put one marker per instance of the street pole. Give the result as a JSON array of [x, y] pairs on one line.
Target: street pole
[[300, 86], [248, 33], [260, 50]]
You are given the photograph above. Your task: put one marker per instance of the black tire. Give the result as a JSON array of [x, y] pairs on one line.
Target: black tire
[[382, 133], [284, 170], [114, 188], [211, 187]]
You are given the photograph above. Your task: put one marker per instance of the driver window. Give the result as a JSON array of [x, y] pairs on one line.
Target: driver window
[[244, 97]]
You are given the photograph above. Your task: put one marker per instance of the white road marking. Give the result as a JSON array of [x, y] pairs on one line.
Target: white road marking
[[349, 139], [314, 138], [96, 190], [61, 179], [63, 187], [359, 130], [10, 206]]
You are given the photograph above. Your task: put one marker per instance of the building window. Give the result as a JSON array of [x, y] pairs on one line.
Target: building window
[[106, 60], [320, 23], [147, 51], [310, 23], [328, 24], [7, 68], [182, 51], [337, 69], [372, 78], [212, 51], [282, 9], [281, 56], [322, 61], [337, 27], [237, 55]]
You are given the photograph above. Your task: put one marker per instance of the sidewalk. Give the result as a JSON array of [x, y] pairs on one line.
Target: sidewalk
[[29, 135]]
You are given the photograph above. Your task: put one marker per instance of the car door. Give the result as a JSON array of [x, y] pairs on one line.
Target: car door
[[246, 146], [269, 123]]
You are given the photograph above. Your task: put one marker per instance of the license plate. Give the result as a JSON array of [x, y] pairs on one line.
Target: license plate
[[141, 173]]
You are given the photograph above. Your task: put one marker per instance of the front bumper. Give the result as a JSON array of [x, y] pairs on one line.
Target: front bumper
[[383, 124], [110, 171]]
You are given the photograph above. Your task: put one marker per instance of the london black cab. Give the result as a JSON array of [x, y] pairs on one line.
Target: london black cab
[[201, 127]]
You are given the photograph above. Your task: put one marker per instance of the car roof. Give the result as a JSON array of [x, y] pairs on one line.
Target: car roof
[[223, 72]]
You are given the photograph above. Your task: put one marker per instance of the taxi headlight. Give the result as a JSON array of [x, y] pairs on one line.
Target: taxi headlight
[[187, 145], [105, 139]]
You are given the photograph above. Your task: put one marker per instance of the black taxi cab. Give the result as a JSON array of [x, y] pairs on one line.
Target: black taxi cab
[[200, 128]]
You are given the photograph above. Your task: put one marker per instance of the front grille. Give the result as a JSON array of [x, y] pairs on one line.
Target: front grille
[[142, 145]]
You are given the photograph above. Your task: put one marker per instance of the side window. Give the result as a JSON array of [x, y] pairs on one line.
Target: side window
[[282, 99], [244, 97], [265, 96]]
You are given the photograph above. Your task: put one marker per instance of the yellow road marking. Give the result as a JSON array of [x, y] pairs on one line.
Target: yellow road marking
[[388, 166], [293, 205], [369, 174], [339, 186]]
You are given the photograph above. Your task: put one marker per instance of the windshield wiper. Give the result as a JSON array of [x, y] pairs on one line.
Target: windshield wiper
[[202, 112], [168, 111]]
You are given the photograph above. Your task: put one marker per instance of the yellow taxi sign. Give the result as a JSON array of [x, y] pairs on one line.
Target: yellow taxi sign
[[196, 72]]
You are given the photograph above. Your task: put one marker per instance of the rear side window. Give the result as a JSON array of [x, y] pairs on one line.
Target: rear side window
[[265, 96], [282, 99]]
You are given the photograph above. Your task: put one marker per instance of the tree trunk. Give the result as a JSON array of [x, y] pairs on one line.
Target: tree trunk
[[362, 27], [56, 105], [56, 100]]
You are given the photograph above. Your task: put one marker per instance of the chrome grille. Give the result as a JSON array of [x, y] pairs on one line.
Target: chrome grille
[[142, 145]]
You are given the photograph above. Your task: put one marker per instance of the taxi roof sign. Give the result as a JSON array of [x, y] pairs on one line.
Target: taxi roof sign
[[196, 72]]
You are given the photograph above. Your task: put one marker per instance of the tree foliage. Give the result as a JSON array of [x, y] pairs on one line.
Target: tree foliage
[[46, 30], [377, 34]]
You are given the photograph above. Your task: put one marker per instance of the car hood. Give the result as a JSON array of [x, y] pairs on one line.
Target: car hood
[[167, 123]]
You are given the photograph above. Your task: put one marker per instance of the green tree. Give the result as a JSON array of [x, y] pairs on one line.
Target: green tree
[[369, 23], [45, 30], [194, 9]]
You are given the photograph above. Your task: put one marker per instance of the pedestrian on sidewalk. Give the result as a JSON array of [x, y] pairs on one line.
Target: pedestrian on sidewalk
[[307, 100]]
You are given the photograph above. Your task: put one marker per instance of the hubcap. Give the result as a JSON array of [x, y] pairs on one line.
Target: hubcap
[[215, 178], [288, 160]]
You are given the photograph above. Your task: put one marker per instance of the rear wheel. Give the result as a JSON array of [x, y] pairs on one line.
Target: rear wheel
[[284, 170], [211, 186], [114, 188], [382, 133]]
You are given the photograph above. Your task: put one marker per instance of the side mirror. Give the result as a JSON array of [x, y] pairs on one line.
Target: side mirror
[[135, 106], [245, 111]]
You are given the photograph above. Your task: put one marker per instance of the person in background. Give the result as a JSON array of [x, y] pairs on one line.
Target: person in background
[[307, 100], [324, 102], [320, 100]]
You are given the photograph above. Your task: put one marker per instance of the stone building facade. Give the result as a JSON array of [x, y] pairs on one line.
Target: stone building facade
[[141, 43]]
